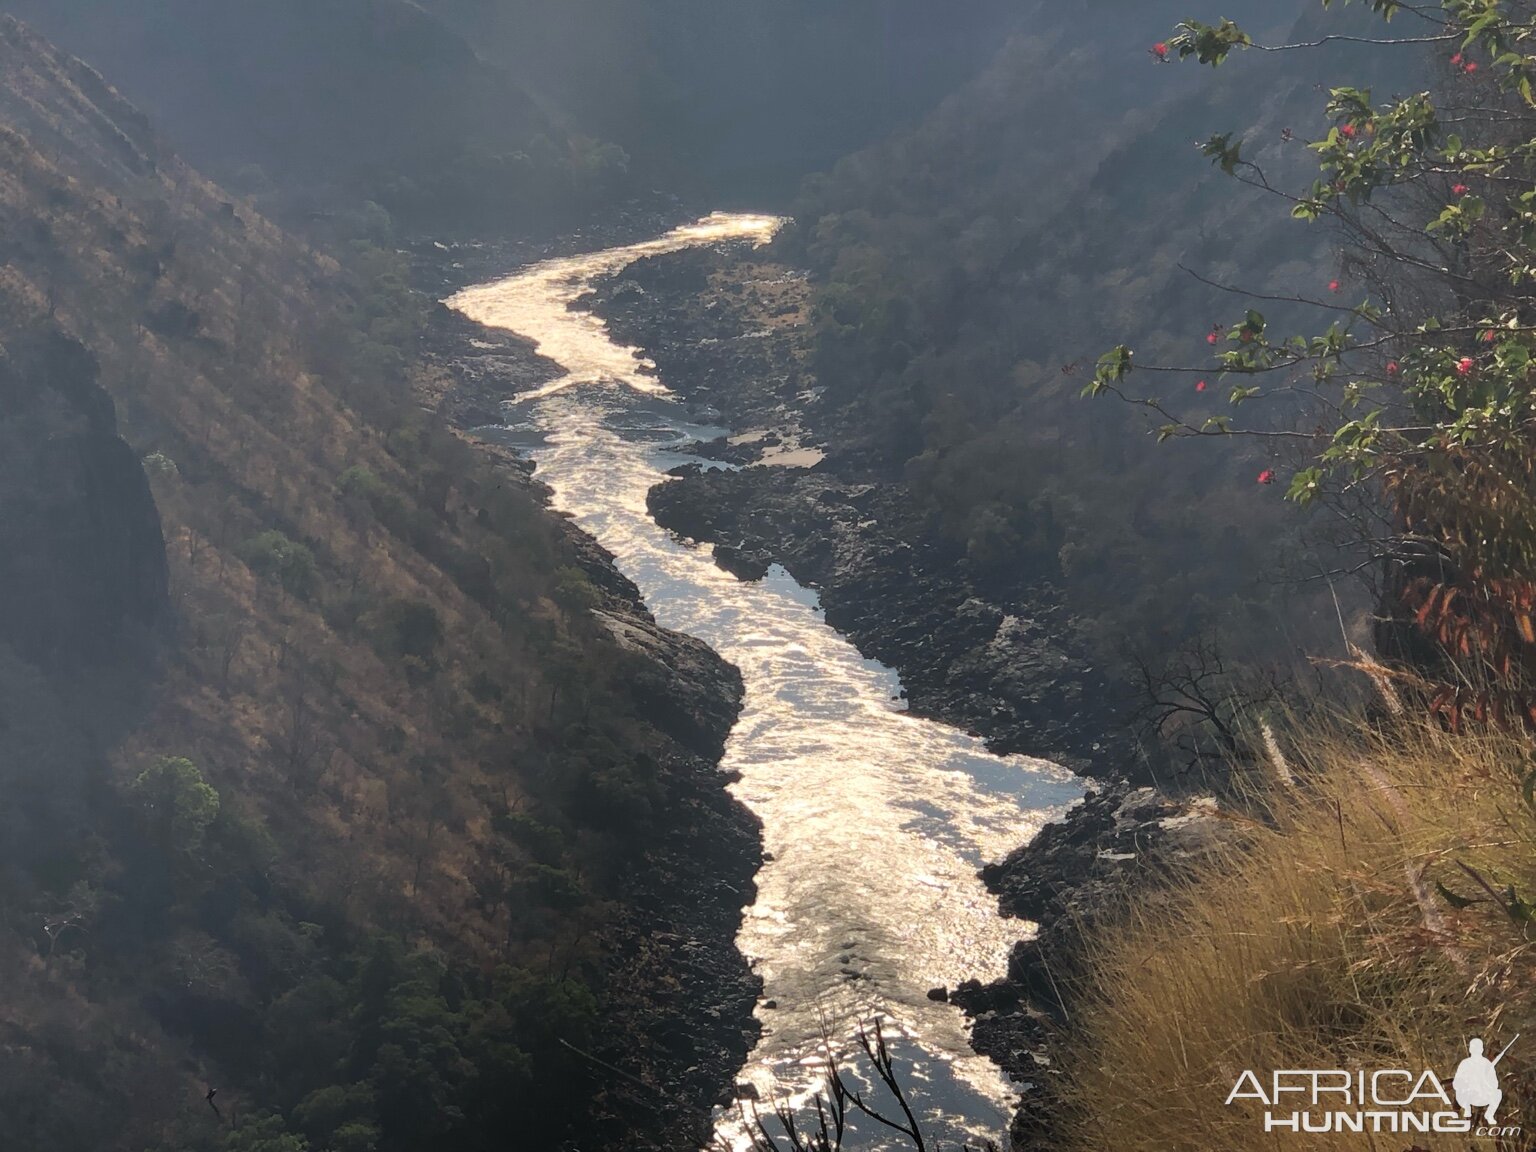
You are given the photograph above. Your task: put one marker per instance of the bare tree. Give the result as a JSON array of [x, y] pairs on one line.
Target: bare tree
[[1200, 708], [826, 1130]]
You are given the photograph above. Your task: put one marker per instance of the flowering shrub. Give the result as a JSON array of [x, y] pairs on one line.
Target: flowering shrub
[[1416, 404]]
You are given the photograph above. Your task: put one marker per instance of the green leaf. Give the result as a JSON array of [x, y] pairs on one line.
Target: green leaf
[[1305, 486], [1113, 367], [1455, 901]]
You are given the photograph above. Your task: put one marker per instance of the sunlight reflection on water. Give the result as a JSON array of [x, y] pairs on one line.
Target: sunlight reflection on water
[[875, 822]]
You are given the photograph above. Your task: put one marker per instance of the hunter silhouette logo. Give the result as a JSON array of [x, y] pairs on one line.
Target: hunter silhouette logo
[[1477, 1081], [1319, 1100]]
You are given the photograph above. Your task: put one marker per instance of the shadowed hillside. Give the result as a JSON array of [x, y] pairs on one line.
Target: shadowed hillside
[[737, 99], [325, 788], [973, 270], [338, 102]]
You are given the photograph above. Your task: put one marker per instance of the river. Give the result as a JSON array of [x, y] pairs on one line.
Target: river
[[874, 822]]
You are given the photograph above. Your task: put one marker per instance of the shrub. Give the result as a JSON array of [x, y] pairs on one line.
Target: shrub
[[273, 556], [359, 481], [574, 592], [412, 628], [157, 465]]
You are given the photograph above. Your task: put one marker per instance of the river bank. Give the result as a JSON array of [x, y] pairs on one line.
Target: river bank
[[729, 331]]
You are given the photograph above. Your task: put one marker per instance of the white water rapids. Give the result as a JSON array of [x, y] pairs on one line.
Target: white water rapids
[[875, 822]]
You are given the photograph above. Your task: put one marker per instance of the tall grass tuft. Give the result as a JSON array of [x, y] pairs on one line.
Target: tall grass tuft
[[1371, 915]]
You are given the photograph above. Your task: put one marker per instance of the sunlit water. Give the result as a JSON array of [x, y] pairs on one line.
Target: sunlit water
[[875, 823]]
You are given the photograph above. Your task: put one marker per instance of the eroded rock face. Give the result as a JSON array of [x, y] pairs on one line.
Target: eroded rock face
[[686, 690], [82, 556]]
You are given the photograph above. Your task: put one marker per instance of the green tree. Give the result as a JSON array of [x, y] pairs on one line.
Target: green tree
[[264, 1134], [179, 803], [1410, 408]]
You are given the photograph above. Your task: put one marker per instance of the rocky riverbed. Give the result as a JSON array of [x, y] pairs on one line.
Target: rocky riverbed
[[1118, 844], [728, 330]]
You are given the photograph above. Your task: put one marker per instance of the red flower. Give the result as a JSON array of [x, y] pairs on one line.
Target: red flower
[[1160, 50], [1471, 66], [1490, 336], [1266, 477], [1211, 337], [1199, 385], [1347, 131], [1333, 285], [1391, 367], [1459, 190], [1456, 59], [1465, 365]]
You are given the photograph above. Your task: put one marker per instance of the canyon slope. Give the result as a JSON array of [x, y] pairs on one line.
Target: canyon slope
[[330, 800]]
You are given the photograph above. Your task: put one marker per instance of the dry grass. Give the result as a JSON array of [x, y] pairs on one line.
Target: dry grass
[[1320, 940]]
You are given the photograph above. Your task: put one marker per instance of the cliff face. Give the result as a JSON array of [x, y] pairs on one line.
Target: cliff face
[[388, 822]]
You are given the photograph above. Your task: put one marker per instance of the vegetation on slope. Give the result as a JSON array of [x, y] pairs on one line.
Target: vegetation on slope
[[969, 274], [317, 107], [327, 806], [1377, 911]]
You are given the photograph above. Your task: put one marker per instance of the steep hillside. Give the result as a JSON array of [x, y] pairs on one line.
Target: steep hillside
[[324, 786], [473, 115], [736, 99], [973, 270], [357, 99]]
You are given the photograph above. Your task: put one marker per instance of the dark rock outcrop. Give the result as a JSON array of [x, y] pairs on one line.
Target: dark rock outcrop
[[1008, 667], [82, 556], [1072, 876], [682, 686]]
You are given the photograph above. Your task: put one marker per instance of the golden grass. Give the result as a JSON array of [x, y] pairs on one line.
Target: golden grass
[[1319, 940]]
